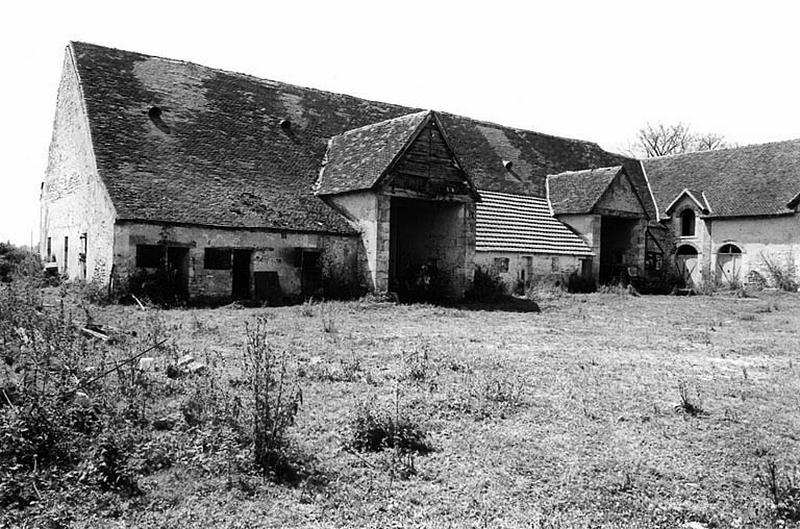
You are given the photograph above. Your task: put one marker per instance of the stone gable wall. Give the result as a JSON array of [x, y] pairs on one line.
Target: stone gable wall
[[74, 200]]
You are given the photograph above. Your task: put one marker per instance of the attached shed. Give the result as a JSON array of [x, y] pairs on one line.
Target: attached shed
[[518, 239], [401, 182], [604, 206]]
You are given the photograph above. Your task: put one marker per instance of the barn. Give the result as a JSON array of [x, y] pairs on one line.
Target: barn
[[732, 213], [224, 186]]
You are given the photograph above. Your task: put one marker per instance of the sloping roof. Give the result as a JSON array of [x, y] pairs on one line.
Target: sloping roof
[[357, 158], [578, 191], [227, 161], [517, 223], [754, 180]]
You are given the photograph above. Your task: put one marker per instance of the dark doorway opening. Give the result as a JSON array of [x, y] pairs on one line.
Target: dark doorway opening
[[267, 287], [424, 248], [310, 273], [241, 273], [178, 269], [617, 251]]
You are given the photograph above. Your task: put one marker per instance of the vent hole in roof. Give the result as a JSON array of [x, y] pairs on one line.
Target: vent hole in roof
[[155, 116], [286, 125], [508, 164]]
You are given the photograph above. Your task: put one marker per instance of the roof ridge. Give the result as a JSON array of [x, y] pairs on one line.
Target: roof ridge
[[376, 123], [318, 90], [241, 74], [565, 173], [510, 194], [518, 130], [710, 151]]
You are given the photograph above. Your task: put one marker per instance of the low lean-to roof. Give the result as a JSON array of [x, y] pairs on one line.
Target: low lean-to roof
[[357, 158], [522, 224], [756, 180], [577, 192], [227, 161]]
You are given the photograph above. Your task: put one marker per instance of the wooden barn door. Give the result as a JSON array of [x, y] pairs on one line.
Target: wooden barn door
[[688, 264]]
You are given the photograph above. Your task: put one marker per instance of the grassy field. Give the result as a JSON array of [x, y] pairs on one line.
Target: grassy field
[[571, 417]]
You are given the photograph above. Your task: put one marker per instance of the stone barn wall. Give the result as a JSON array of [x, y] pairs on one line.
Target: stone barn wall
[[74, 201], [271, 252]]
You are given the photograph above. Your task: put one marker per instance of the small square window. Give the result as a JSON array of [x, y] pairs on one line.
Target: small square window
[[501, 265], [217, 259], [149, 255]]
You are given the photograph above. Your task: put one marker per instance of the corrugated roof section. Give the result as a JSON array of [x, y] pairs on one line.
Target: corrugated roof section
[[520, 223]]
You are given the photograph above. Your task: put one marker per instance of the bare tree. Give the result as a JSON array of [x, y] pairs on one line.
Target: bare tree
[[661, 140], [710, 141]]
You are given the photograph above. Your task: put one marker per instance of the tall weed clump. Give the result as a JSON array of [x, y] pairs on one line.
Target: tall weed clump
[[486, 286], [783, 277], [276, 397], [783, 489], [80, 419]]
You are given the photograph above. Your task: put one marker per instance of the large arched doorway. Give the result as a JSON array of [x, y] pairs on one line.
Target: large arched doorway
[[729, 263], [688, 263]]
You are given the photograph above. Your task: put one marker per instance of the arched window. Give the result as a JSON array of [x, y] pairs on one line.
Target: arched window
[[729, 249], [687, 223], [687, 249]]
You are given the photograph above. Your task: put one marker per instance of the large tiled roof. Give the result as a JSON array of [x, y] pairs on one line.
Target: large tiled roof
[[744, 181], [227, 161], [518, 223], [578, 191], [357, 158]]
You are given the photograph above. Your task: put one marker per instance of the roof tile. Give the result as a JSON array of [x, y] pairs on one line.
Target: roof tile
[[519, 223]]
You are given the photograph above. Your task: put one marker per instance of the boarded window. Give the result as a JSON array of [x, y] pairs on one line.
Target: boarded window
[[501, 265], [149, 255], [217, 259], [66, 253]]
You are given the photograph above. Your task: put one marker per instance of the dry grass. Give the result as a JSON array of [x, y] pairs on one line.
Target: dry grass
[[561, 419]]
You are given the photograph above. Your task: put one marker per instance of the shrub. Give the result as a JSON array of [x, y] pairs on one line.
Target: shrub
[[276, 397], [307, 308], [690, 405], [375, 430], [579, 284], [18, 262], [783, 489], [158, 286], [328, 316], [78, 416], [783, 277], [486, 286], [495, 395], [417, 363], [345, 370], [618, 289]]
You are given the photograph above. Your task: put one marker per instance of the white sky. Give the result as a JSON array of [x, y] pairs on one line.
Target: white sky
[[594, 70]]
